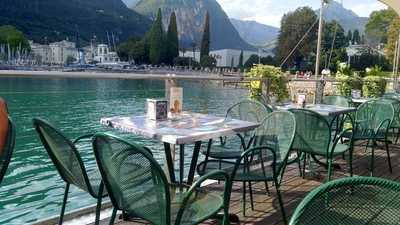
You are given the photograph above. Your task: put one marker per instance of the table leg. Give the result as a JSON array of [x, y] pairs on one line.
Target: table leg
[[193, 164], [170, 162], [181, 162]]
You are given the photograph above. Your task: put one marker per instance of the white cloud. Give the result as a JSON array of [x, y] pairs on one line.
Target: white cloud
[[271, 11]]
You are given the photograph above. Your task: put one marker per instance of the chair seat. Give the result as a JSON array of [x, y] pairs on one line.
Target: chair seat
[[95, 181], [339, 149], [227, 151], [366, 134], [255, 174], [202, 204]]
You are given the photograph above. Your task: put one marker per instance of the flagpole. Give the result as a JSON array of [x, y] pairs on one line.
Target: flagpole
[[320, 27]]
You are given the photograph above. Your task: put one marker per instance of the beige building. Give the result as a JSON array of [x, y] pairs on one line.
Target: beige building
[[60, 51], [41, 53]]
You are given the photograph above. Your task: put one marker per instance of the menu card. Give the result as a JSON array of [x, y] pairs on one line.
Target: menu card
[[301, 100], [176, 99], [356, 94], [157, 109]]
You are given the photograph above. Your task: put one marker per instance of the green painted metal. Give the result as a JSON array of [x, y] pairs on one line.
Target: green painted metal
[[372, 123], [266, 160], [337, 100], [229, 148], [69, 164], [314, 137], [349, 201], [138, 186]]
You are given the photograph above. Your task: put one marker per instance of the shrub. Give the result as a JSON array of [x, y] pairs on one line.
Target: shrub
[[374, 86], [277, 82], [348, 83]]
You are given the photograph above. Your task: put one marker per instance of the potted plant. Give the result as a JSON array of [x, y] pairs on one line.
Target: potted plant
[[277, 83], [347, 79], [374, 84]]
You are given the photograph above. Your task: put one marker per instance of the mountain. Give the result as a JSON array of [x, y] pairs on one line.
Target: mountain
[[130, 3], [255, 33], [60, 19], [190, 20], [346, 18]]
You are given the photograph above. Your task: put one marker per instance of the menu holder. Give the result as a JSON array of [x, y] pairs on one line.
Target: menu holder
[[176, 100], [301, 100], [356, 94], [157, 109]]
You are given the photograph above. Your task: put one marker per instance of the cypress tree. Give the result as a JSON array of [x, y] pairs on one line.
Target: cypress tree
[[156, 50], [172, 42], [241, 61], [356, 37], [205, 41], [349, 36]]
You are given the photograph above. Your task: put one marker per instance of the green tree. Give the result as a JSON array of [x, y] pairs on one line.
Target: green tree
[[349, 37], [393, 37], [378, 25], [294, 26], [134, 49], [172, 42], [9, 35], [356, 37], [156, 36], [205, 41], [240, 65]]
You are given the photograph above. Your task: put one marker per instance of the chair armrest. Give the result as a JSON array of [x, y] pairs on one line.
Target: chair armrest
[[341, 135], [381, 125], [86, 136], [197, 184]]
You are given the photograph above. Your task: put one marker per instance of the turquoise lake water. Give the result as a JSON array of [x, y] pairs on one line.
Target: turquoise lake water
[[32, 189]]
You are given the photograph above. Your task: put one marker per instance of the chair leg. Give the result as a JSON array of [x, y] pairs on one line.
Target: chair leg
[[351, 162], [280, 202], [388, 156], [304, 166], [330, 169], [113, 215], [372, 161], [64, 204], [244, 199], [98, 206], [251, 196], [267, 188]]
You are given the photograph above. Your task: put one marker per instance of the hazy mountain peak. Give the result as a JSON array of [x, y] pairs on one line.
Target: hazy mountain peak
[[254, 32], [190, 19]]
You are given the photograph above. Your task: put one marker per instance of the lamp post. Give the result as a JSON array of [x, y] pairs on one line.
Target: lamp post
[[320, 27]]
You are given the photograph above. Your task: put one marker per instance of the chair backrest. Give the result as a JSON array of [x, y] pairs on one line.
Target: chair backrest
[[277, 131], [336, 100], [64, 155], [313, 133], [134, 180], [370, 115], [7, 139], [248, 110], [396, 106], [358, 200]]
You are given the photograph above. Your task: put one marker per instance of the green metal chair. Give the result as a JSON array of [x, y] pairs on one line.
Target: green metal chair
[[337, 122], [138, 186], [265, 161], [372, 123], [69, 164], [8, 147], [314, 138], [350, 201], [336, 100], [232, 148], [395, 125]]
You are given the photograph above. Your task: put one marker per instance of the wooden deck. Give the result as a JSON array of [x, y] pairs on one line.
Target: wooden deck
[[294, 188]]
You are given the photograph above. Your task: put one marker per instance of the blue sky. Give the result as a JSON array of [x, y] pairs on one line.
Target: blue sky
[[271, 11]]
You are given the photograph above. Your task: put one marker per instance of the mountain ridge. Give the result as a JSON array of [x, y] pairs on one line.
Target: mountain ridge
[[254, 32], [58, 19], [190, 19]]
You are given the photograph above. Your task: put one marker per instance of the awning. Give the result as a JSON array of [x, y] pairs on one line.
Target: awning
[[395, 4]]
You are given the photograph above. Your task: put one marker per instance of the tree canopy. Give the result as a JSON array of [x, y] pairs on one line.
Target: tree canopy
[[156, 36], [9, 35], [172, 42], [378, 25], [205, 41], [294, 26]]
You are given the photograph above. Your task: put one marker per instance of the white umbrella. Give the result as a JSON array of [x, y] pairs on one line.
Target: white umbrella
[[395, 4]]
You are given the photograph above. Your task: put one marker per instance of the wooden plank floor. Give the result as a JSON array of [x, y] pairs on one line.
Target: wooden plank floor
[[294, 188]]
